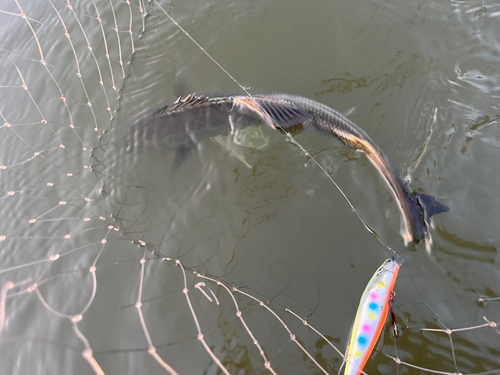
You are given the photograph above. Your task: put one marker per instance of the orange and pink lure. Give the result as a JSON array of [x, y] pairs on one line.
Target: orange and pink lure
[[371, 315]]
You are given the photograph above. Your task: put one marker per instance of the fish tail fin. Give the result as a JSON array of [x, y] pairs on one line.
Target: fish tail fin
[[421, 208], [430, 206]]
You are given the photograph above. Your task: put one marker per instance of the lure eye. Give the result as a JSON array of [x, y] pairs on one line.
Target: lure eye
[[389, 260]]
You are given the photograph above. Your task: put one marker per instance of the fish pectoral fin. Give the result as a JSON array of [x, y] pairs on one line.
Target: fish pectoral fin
[[285, 116], [278, 114]]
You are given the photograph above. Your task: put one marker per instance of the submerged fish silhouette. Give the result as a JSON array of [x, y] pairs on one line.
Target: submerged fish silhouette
[[181, 125]]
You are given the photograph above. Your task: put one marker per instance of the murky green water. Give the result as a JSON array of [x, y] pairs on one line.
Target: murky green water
[[80, 211]]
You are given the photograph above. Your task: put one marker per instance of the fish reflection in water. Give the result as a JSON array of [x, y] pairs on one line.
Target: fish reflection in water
[[180, 126]]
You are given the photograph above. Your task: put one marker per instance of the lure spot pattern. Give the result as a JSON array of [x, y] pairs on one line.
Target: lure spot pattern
[[371, 315]]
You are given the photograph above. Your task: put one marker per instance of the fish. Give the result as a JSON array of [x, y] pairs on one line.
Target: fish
[[181, 125], [371, 315]]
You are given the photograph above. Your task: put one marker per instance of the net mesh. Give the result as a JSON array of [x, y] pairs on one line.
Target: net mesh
[[102, 271]]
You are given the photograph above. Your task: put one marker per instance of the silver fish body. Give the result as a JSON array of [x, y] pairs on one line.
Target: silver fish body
[[181, 125]]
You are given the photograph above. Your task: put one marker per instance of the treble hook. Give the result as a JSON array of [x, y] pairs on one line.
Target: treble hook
[[396, 330]]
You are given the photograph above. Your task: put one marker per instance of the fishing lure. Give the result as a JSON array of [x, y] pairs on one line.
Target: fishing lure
[[371, 315]]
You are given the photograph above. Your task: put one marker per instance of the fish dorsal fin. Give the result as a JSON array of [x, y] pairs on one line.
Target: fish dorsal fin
[[181, 104]]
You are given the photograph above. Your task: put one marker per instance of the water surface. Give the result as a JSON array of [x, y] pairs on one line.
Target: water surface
[[82, 214]]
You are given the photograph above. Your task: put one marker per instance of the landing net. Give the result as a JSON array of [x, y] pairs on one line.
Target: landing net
[[111, 264]]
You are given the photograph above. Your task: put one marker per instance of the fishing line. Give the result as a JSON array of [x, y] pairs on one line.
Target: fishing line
[[293, 140], [78, 244]]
